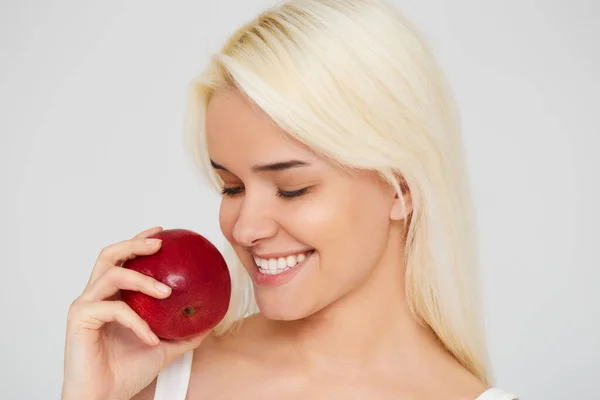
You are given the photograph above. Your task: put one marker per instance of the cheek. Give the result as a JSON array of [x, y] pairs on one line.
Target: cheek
[[339, 224], [311, 222], [354, 229]]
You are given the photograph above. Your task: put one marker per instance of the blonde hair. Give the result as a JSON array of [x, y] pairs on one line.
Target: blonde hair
[[356, 82]]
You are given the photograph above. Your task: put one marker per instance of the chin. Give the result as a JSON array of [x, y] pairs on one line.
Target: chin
[[281, 310], [278, 316]]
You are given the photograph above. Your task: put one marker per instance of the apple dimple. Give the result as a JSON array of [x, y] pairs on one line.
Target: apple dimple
[[189, 311], [199, 278]]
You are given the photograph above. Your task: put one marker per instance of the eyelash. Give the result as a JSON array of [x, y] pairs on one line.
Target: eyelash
[[280, 193]]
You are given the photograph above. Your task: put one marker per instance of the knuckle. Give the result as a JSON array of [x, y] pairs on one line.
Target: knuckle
[[121, 307], [75, 310], [113, 273], [105, 251], [117, 275], [123, 315]]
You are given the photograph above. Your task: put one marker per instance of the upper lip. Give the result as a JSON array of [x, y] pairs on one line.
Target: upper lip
[[280, 254]]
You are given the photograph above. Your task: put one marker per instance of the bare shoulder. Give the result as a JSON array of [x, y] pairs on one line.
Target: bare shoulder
[[453, 380], [220, 359], [238, 343]]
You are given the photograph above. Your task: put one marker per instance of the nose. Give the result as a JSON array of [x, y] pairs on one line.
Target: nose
[[254, 223]]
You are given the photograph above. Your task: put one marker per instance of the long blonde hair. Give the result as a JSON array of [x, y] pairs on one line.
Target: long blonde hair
[[356, 82]]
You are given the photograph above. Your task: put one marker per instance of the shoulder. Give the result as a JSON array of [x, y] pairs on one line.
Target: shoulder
[[240, 343], [234, 355]]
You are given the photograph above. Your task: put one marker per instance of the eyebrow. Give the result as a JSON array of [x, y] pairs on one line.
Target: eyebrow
[[278, 166]]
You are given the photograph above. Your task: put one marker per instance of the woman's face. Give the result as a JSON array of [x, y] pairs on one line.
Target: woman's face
[[307, 232]]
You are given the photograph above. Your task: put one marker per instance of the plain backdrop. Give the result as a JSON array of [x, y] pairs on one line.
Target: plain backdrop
[[91, 152]]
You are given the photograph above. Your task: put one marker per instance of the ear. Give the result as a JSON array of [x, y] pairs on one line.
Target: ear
[[399, 211]]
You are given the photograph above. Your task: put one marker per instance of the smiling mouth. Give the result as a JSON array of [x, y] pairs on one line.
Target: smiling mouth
[[276, 266]]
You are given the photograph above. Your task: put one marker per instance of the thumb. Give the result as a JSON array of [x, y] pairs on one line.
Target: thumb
[[175, 348]]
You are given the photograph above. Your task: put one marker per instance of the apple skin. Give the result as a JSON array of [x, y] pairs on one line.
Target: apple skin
[[199, 278]]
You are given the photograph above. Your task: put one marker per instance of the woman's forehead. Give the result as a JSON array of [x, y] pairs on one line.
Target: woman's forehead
[[236, 128]]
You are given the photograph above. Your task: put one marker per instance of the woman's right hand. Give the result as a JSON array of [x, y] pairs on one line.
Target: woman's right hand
[[110, 351]]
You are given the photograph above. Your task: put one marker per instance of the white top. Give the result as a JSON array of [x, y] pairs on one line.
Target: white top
[[172, 382]]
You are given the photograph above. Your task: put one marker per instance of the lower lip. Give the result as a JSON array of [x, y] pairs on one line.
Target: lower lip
[[267, 280]]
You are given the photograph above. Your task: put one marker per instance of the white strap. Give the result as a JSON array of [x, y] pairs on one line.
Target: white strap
[[173, 381], [496, 394]]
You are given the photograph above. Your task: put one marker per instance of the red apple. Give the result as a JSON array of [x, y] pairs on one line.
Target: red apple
[[198, 276]]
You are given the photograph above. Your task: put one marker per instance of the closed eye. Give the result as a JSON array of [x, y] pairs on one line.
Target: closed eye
[[280, 193], [231, 191], [289, 195]]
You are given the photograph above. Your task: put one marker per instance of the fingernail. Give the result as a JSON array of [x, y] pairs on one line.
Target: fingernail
[[153, 242], [153, 338], [161, 287]]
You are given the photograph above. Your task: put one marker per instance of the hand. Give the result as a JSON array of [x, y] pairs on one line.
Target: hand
[[110, 351]]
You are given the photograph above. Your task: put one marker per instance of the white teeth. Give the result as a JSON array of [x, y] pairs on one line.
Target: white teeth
[[274, 266], [290, 261], [281, 263]]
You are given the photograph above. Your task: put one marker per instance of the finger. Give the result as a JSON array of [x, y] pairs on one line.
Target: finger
[[100, 267], [148, 232], [115, 254], [91, 316], [117, 279]]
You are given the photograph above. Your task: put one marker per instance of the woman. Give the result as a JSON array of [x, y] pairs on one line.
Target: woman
[[329, 129]]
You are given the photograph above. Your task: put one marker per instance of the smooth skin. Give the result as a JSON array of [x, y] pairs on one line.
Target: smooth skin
[[340, 329]]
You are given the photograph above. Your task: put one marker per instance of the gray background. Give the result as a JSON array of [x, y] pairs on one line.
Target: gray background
[[92, 97]]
